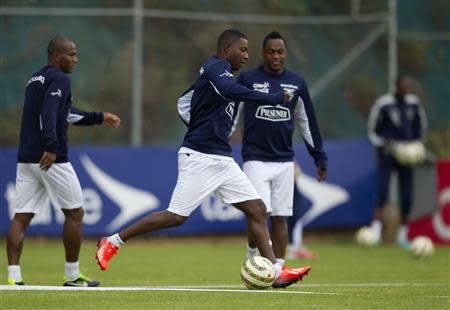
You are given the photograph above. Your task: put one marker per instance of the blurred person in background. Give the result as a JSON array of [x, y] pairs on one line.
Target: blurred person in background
[[205, 164], [393, 119], [296, 247], [43, 167], [267, 141]]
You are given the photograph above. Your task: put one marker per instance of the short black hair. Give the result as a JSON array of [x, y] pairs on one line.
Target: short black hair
[[229, 36], [272, 35], [55, 44]]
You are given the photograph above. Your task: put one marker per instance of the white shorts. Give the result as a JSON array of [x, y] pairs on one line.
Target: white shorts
[[274, 182], [201, 174], [34, 187]]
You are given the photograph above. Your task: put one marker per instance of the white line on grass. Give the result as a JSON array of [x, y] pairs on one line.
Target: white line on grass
[[221, 288], [401, 284], [375, 284], [161, 289]]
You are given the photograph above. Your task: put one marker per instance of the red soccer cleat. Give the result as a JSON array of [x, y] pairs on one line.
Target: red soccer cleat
[[106, 250], [290, 276]]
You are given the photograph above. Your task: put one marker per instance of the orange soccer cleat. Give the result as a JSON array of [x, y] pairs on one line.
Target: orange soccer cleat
[[106, 250], [290, 276]]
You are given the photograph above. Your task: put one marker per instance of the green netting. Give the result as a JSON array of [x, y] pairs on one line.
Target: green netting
[[174, 49]]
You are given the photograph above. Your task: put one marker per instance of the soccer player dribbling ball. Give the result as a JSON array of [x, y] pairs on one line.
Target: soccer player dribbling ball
[[205, 164]]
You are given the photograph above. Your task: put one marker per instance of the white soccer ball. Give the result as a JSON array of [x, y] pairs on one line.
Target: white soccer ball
[[257, 273], [409, 153], [421, 246], [366, 236]]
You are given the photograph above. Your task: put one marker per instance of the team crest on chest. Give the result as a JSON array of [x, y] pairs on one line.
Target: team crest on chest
[[289, 89]]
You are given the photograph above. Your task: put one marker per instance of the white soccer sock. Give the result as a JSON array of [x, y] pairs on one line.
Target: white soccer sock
[[377, 227], [402, 234], [14, 273], [297, 234], [290, 251], [115, 239], [251, 251], [280, 261], [278, 269], [72, 270]]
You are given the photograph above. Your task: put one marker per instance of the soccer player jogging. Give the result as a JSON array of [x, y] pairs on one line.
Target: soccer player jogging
[[43, 167], [205, 164], [267, 141]]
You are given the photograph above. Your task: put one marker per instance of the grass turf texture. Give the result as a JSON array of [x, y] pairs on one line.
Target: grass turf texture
[[384, 277]]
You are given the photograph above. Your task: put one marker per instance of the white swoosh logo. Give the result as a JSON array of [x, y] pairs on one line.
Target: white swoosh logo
[[132, 202], [324, 196]]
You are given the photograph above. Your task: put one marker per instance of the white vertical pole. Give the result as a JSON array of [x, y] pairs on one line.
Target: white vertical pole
[[136, 81], [392, 45], [355, 6]]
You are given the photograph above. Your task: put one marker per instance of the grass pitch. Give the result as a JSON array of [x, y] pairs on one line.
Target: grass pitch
[[190, 273]]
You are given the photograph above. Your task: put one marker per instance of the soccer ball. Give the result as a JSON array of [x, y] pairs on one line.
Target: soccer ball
[[421, 247], [257, 273], [366, 236], [409, 153]]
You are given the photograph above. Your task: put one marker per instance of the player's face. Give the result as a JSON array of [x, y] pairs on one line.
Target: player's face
[[238, 53], [67, 57], [404, 86], [274, 54]]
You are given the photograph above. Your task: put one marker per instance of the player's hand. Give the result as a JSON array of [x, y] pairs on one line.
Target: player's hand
[[321, 174], [111, 119], [47, 161]]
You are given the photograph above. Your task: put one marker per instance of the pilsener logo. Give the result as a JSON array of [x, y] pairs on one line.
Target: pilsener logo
[[273, 114]]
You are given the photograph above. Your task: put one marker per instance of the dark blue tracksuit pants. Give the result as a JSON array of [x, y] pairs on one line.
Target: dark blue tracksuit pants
[[386, 165]]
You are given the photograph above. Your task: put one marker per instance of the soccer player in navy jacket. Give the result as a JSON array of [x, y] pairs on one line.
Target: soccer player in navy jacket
[[205, 164], [43, 168], [267, 142], [397, 117]]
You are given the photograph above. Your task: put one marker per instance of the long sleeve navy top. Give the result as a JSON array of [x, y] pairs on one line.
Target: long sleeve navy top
[[47, 112]]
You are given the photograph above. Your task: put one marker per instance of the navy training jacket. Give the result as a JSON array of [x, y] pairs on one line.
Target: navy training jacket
[[208, 107], [47, 112], [268, 130]]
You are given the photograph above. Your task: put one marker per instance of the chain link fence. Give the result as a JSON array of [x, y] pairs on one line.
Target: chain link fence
[[340, 47]]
